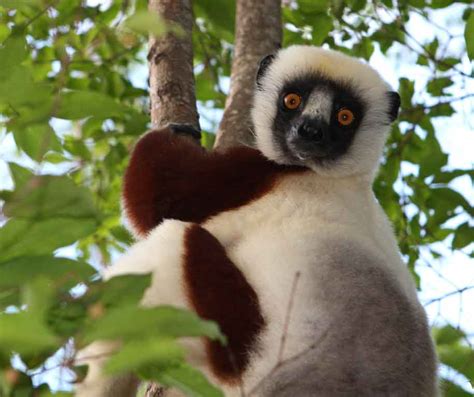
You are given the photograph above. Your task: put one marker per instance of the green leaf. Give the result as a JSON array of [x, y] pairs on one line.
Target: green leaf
[[447, 63], [220, 13], [20, 175], [36, 140], [463, 236], [313, 6], [417, 3], [451, 389], [44, 197], [442, 110], [469, 36], [81, 104], [37, 295], [459, 357], [16, 334], [207, 140], [48, 393], [147, 22], [31, 101], [4, 32], [12, 54], [189, 380], [364, 48], [322, 24], [448, 198], [447, 335], [131, 323], [124, 290], [157, 352], [448, 176], [441, 3], [14, 4], [431, 157], [407, 89], [436, 86], [23, 237], [67, 271]]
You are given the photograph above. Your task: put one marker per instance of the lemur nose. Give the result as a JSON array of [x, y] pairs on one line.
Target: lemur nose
[[311, 131]]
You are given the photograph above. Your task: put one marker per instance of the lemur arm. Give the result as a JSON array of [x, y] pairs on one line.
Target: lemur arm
[[171, 177]]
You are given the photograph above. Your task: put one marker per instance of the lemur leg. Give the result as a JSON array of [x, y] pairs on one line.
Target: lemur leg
[[98, 385], [190, 269], [161, 254]]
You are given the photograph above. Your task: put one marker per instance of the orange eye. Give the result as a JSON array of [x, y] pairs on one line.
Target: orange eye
[[292, 101], [345, 117]]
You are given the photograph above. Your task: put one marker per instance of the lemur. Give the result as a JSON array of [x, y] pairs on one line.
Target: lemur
[[224, 234]]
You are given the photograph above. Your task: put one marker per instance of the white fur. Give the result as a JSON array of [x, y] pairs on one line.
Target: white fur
[[287, 232], [299, 227], [319, 105], [365, 151]]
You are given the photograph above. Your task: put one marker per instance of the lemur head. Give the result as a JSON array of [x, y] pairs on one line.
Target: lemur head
[[323, 110]]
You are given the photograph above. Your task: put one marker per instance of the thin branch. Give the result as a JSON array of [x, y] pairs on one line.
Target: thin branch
[[287, 317], [292, 359], [459, 291]]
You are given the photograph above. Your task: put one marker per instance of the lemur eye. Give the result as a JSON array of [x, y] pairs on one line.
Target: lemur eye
[[345, 117], [292, 101]]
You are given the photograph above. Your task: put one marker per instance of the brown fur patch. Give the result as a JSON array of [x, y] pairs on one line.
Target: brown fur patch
[[218, 291], [171, 177]]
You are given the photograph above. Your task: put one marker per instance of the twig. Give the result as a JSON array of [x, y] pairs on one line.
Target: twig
[[459, 291], [287, 316], [309, 349], [39, 14]]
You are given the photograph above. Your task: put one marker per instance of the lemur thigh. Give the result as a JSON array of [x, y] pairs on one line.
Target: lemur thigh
[[191, 269], [161, 254], [98, 385]]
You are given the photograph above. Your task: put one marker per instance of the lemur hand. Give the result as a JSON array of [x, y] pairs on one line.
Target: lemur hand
[[186, 129]]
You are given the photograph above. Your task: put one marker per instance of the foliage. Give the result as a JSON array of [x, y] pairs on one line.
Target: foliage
[[71, 107]]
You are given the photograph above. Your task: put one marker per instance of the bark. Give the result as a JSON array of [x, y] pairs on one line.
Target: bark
[[172, 85], [172, 88], [154, 390], [258, 33]]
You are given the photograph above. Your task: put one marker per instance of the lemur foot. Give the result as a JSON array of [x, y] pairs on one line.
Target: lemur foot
[[186, 129]]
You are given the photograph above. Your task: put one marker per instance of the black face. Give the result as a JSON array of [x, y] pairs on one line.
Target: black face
[[323, 134]]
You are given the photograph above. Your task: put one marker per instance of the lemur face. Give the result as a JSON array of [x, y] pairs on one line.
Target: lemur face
[[323, 110], [316, 118]]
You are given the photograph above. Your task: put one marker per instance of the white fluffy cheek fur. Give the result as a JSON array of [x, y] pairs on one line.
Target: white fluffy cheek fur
[[363, 156], [263, 114]]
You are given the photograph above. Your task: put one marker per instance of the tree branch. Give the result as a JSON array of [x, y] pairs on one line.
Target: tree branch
[[258, 33], [172, 86]]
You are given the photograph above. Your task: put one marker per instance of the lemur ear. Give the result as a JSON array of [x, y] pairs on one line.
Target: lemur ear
[[262, 68], [393, 105]]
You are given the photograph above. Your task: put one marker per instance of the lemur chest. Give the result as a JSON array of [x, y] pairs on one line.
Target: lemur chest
[[297, 211], [283, 235]]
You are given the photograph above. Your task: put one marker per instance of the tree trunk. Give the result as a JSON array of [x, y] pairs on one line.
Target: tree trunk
[[258, 33], [172, 85], [172, 88]]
